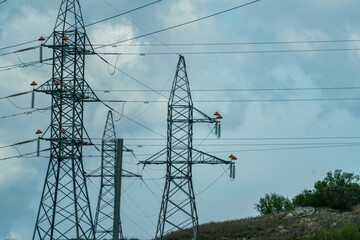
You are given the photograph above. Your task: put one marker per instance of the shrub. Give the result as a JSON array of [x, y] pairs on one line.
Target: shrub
[[338, 190], [273, 203]]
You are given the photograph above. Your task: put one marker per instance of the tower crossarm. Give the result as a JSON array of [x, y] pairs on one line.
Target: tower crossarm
[[154, 158], [204, 118], [200, 157]]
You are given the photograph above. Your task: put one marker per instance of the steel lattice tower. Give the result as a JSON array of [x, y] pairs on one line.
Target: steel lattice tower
[[178, 208], [104, 217], [107, 217], [64, 211]]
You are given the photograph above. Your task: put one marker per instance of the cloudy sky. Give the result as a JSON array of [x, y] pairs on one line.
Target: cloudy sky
[[286, 87]]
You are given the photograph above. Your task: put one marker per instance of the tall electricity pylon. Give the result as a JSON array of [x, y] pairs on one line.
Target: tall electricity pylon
[[107, 217], [64, 211], [178, 208]]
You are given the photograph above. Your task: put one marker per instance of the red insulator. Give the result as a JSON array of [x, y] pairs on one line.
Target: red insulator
[[38, 131], [62, 131], [41, 38], [33, 83], [216, 113], [65, 38]]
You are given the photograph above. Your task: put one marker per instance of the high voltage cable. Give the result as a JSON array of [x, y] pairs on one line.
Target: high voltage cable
[[15, 95], [250, 138], [20, 50], [132, 120], [120, 14], [23, 155], [129, 76], [208, 90], [273, 149], [25, 113], [188, 44], [22, 65], [237, 52], [3, 1], [138, 26], [259, 144], [227, 151], [240, 100], [235, 89], [179, 25], [292, 148], [232, 43], [90, 24], [18, 143]]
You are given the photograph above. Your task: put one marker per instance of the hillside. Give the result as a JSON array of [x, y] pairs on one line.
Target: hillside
[[284, 225]]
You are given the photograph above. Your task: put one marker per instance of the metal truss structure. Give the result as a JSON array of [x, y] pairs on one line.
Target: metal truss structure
[[178, 208], [107, 217], [64, 211]]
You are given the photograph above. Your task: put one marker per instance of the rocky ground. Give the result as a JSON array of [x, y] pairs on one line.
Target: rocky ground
[[296, 223]]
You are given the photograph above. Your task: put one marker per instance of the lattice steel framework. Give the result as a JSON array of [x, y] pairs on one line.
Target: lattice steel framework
[[104, 217], [178, 208], [107, 217], [64, 211]]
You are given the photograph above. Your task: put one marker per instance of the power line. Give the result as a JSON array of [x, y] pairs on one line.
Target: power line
[[90, 24], [132, 120], [19, 44], [273, 149], [15, 95], [129, 76], [233, 43], [241, 100], [22, 65], [21, 50], [259, 144], [236, 52], [120, 14], [18, 143], [138, 26], [26, 113], [3, 1], [23, 155], [236, 89], [252, 138], [180, 25]]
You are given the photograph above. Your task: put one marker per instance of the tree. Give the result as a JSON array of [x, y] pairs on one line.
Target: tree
[[339, 190], [273, 203]]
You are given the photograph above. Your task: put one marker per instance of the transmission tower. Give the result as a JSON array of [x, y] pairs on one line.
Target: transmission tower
[[178, 208], [107, 218], [64, 211]]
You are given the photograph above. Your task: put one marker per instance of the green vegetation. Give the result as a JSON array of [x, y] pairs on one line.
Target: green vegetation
[[273, 203], [347, 232], [338, 190]]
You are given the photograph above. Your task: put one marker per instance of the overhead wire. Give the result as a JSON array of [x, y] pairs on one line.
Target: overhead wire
[[23, 65], [234, 52], [145, 101], [179, 25], [90, 24], [25, 113], [134, 23], [18, 143], [121, 14], [23, 155], [234, 43], [237, 89]]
